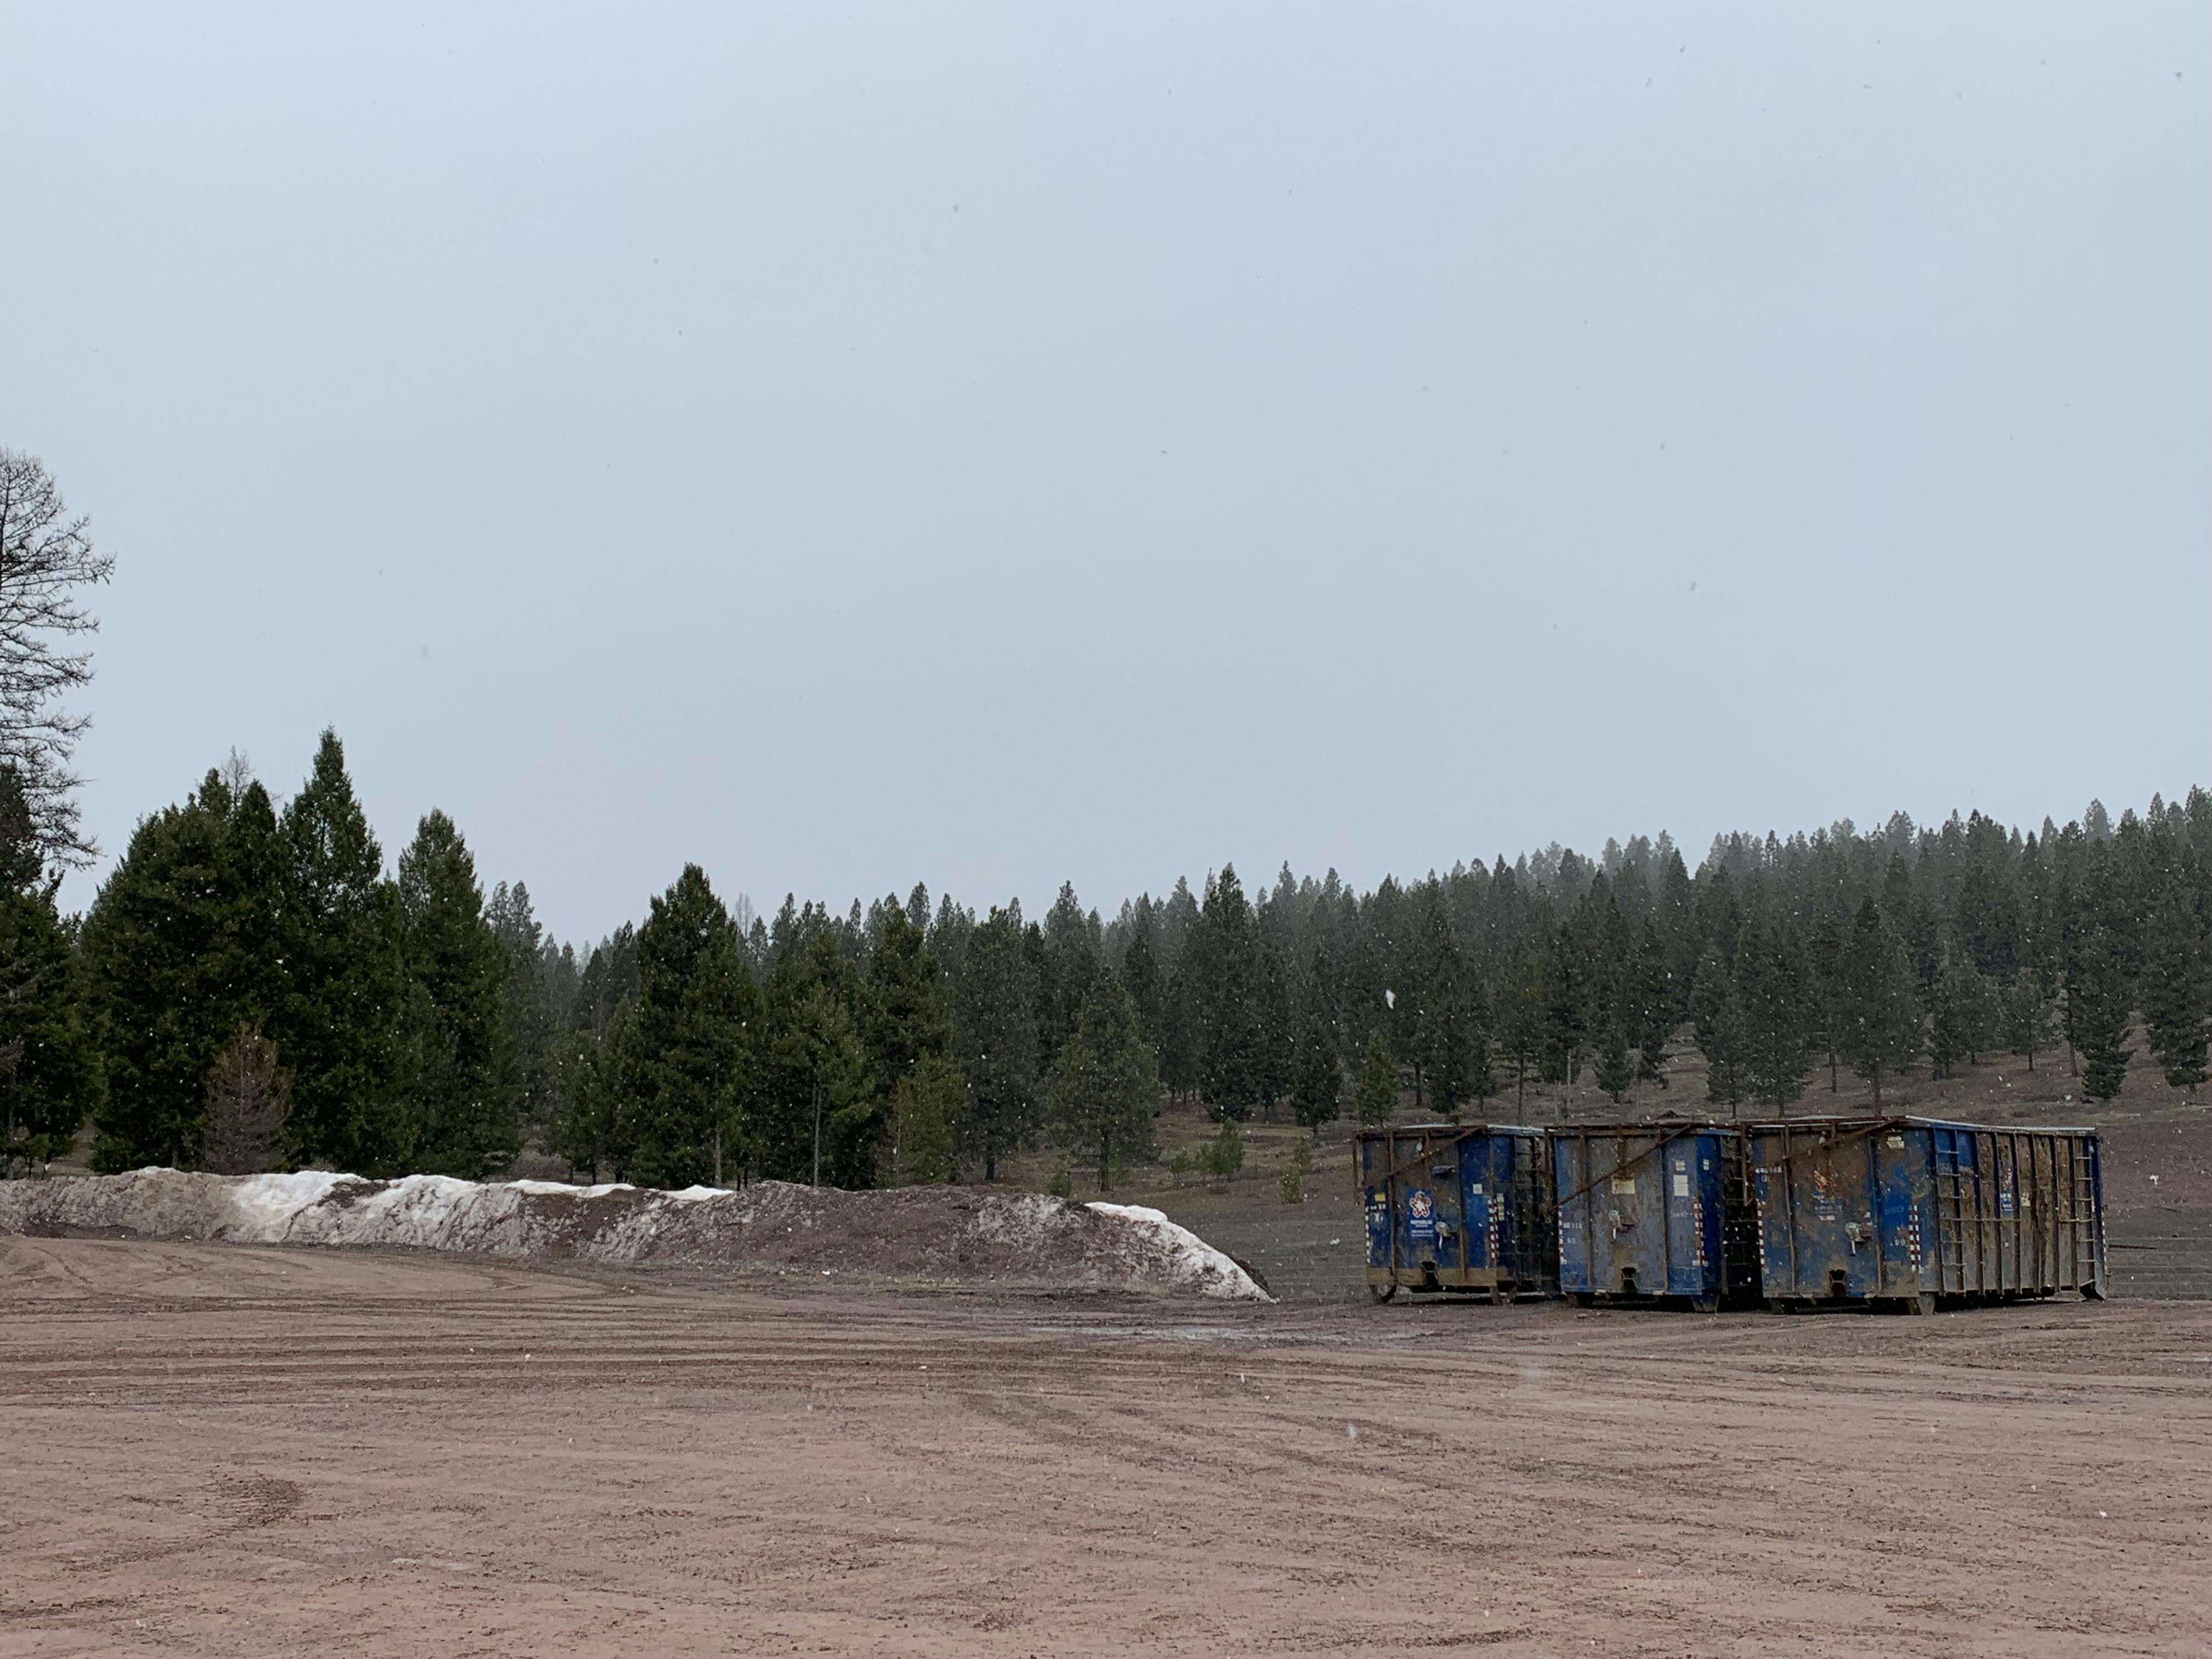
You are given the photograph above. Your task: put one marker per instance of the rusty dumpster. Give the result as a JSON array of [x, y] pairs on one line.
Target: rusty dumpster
[[1457, 1208], [1656, 1212], [1917, 1213]]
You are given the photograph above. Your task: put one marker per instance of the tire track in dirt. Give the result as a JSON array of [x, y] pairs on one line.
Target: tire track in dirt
[[682, 1462]]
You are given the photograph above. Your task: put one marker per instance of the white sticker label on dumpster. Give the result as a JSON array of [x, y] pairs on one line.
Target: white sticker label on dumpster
[[1681, 1185], [1624, 1184]]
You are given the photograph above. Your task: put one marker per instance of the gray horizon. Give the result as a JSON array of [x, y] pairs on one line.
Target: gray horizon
[[994, 446]]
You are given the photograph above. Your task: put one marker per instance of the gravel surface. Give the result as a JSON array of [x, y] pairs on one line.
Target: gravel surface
[[225, 1450]]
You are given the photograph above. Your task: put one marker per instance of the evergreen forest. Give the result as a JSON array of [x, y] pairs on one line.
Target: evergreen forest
[[403, 1016], [257, 986]]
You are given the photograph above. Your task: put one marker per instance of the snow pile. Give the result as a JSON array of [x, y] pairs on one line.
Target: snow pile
[[1198, 1267], [912, 1234]]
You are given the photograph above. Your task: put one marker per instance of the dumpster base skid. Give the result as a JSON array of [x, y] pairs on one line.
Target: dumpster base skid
[[1927, 1302], [1705, 1304], [1484, 1283]]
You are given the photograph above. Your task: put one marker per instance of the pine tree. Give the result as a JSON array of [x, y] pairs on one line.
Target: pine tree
[[336, 1023], [684, 1086], [1444, 1036], [1947, 1018], [1376, 1101], [597, 1028], [2097, 1015], [1103, 1090], [457, 1081], [1652, 1008], [1223, 953], [1481, 1074], [1064, 956], [1612, 996], [1776, 999], [1983, 1003], [907, 1019], [1881, 1032], [2176, 987], [49, 1064], [1317, 1080], [1521, 1022], [1273, 1028], [1566, 1008], [2026, 1010], [1223, 1155], [1824, 968], [818, 1046], [1717, 1015], [179, 946], [249, 1098], [1612, 1069], [588, 1130], [528, 1004], [995, 1038], [1142, 978], [928, 1102]]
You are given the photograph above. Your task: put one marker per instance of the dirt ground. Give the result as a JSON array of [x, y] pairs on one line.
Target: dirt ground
[[224, 1450]]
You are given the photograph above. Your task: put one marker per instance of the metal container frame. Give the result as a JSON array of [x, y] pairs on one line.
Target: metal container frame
[[1917, 1213], [1457, 1174], [1693, 1230]]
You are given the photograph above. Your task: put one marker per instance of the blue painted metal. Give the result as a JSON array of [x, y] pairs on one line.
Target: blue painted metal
[[1464, 1207], [1655, 1210], [1917, 1210]]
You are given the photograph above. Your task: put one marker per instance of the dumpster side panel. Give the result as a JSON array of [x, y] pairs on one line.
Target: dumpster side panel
[[1442, 1207], [1571, 1164], [1837, 1208], [1375, 1199], [1687, 1170], [1478, 1199], [1644, 1210], [1957, 1210], [1896, 1211]]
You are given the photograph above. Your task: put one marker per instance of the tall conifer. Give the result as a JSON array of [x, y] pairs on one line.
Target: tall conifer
[[1881, 1030], [181, 946], [2097, 1015], [1317, 1080], [336, 1025], [995, 1038], [1376, 1101], [1777, 1006], [51, 1075], [686, 1089], [1224, 951], [1103, 1090], [2177, 986], [1717, 1015], [457, 1084]]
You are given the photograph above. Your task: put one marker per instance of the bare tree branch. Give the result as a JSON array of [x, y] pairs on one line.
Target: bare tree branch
[[45, 558]]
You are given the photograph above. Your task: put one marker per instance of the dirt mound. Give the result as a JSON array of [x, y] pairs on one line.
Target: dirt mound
[[914, 1235]]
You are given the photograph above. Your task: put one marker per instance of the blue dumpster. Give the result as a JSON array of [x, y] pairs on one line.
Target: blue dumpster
[[1656, 1212], [1457, 1207], [1915, 1212]]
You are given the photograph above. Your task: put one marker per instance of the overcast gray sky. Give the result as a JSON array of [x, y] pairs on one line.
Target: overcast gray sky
[[984, 446]]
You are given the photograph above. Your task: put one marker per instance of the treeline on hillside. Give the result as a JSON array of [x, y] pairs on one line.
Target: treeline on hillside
[[251, 988]]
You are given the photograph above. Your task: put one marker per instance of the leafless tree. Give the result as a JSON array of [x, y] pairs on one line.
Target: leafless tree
[[45, 559], [249, 1098]]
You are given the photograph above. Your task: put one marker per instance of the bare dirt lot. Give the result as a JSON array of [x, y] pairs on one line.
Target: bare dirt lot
[[229, 1450]]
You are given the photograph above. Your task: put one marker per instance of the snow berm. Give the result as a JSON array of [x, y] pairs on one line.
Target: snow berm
[[910, 1235]]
